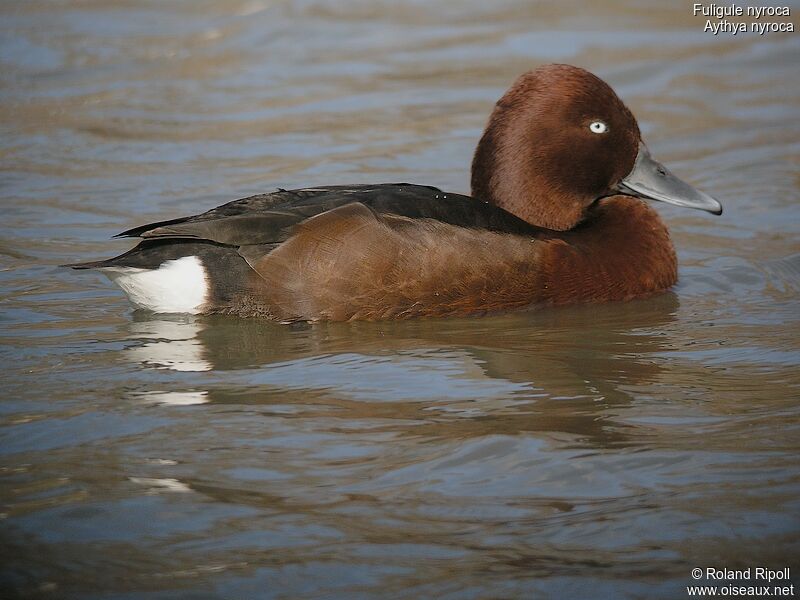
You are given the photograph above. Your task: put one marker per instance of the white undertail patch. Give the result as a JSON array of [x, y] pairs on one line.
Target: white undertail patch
[[177, 286]]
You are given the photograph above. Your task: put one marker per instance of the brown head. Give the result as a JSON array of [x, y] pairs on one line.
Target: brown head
[[558, 140]]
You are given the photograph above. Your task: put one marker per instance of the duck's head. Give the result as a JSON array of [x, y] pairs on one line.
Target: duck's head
[[559, 140]]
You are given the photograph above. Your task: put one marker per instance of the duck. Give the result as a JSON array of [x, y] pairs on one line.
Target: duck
[[557, 215]]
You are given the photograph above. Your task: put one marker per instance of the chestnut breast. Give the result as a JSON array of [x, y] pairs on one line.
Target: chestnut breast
[[352, 263]]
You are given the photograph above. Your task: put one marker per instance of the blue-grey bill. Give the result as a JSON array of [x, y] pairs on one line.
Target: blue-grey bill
[[651, 180]]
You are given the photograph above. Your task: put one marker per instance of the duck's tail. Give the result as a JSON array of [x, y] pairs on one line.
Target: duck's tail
[[95, 264]]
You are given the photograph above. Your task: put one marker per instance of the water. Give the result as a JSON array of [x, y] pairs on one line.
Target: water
[[580, 452]]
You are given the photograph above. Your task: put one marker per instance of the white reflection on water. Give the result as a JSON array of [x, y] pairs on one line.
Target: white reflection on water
[[175, 398], [157, 485], [174, 345]]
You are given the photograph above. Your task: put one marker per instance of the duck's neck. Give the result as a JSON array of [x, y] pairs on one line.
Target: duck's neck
[[525, 185]]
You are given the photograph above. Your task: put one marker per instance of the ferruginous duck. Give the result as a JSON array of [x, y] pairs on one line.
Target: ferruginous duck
[[556, 217]]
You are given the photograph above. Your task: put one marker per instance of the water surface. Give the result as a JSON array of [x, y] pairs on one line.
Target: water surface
[[580, 452]]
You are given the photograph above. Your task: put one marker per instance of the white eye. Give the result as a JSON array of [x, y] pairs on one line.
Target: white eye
[[598, 127]]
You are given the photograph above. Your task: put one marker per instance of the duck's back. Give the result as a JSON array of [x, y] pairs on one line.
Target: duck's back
[[339, 252]]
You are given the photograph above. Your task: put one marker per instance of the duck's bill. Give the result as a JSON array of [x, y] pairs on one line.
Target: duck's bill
[[652, 180]]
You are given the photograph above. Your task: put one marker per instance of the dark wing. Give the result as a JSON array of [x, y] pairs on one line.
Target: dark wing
[[269, 219], [243, 206]]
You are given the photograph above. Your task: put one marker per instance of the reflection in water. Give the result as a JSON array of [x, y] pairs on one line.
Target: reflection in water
[[539, 379], [174, 398], [157, 485], [169, 344]]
